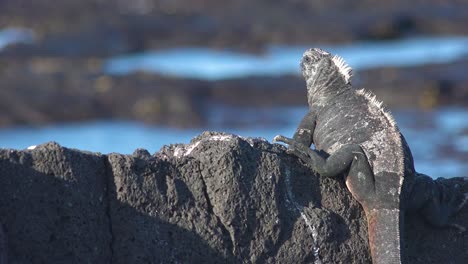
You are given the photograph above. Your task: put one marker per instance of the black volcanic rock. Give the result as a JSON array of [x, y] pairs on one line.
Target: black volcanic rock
[[53, 205], [219, 199], [224, 198]]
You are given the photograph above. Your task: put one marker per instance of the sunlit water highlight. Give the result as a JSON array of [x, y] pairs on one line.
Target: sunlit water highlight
[[10, 36], [208, 64]]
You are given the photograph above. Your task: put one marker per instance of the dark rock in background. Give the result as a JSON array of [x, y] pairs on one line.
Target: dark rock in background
[[109, 27], [219, 199], [431, 245]]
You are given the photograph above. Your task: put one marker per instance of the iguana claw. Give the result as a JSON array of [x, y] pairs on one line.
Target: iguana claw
[[294, 148], [291, 142], [283, 139]]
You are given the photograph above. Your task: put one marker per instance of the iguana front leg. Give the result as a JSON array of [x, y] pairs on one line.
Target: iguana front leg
[[350, 158], [305, 130]]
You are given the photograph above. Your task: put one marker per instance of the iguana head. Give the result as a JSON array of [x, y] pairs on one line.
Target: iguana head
[[326, 74]]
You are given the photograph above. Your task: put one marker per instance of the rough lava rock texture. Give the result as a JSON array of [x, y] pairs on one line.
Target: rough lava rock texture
[[53, 205], [220, 199], [223, 198]]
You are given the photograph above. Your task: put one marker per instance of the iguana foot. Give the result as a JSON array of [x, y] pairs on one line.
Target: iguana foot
[[279, 138], [294, 148], [286, 140]]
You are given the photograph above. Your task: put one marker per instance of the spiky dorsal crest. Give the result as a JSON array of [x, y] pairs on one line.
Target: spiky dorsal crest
[[343, 68], [374, 101]]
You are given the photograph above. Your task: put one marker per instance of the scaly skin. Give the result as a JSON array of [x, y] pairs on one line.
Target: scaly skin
[[354, 135]]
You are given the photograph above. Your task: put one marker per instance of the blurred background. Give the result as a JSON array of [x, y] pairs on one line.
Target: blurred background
[[113, 76]]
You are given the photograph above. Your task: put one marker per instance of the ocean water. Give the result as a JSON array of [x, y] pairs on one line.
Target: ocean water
[[438, 139], [209, 64]]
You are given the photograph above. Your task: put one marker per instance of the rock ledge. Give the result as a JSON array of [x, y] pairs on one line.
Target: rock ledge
[[219, 199]]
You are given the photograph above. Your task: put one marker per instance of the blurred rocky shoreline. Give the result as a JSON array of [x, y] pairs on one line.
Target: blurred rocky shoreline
[[59, 77], [41, 90]]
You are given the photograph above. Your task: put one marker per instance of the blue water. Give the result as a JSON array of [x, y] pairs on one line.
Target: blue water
[[429, 134], [10, 36], [208, 64]]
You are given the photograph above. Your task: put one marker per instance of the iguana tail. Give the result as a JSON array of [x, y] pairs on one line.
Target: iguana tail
[[385, 241]]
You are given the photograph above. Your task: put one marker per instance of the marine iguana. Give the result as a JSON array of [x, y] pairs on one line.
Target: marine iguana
[[356, 136]]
